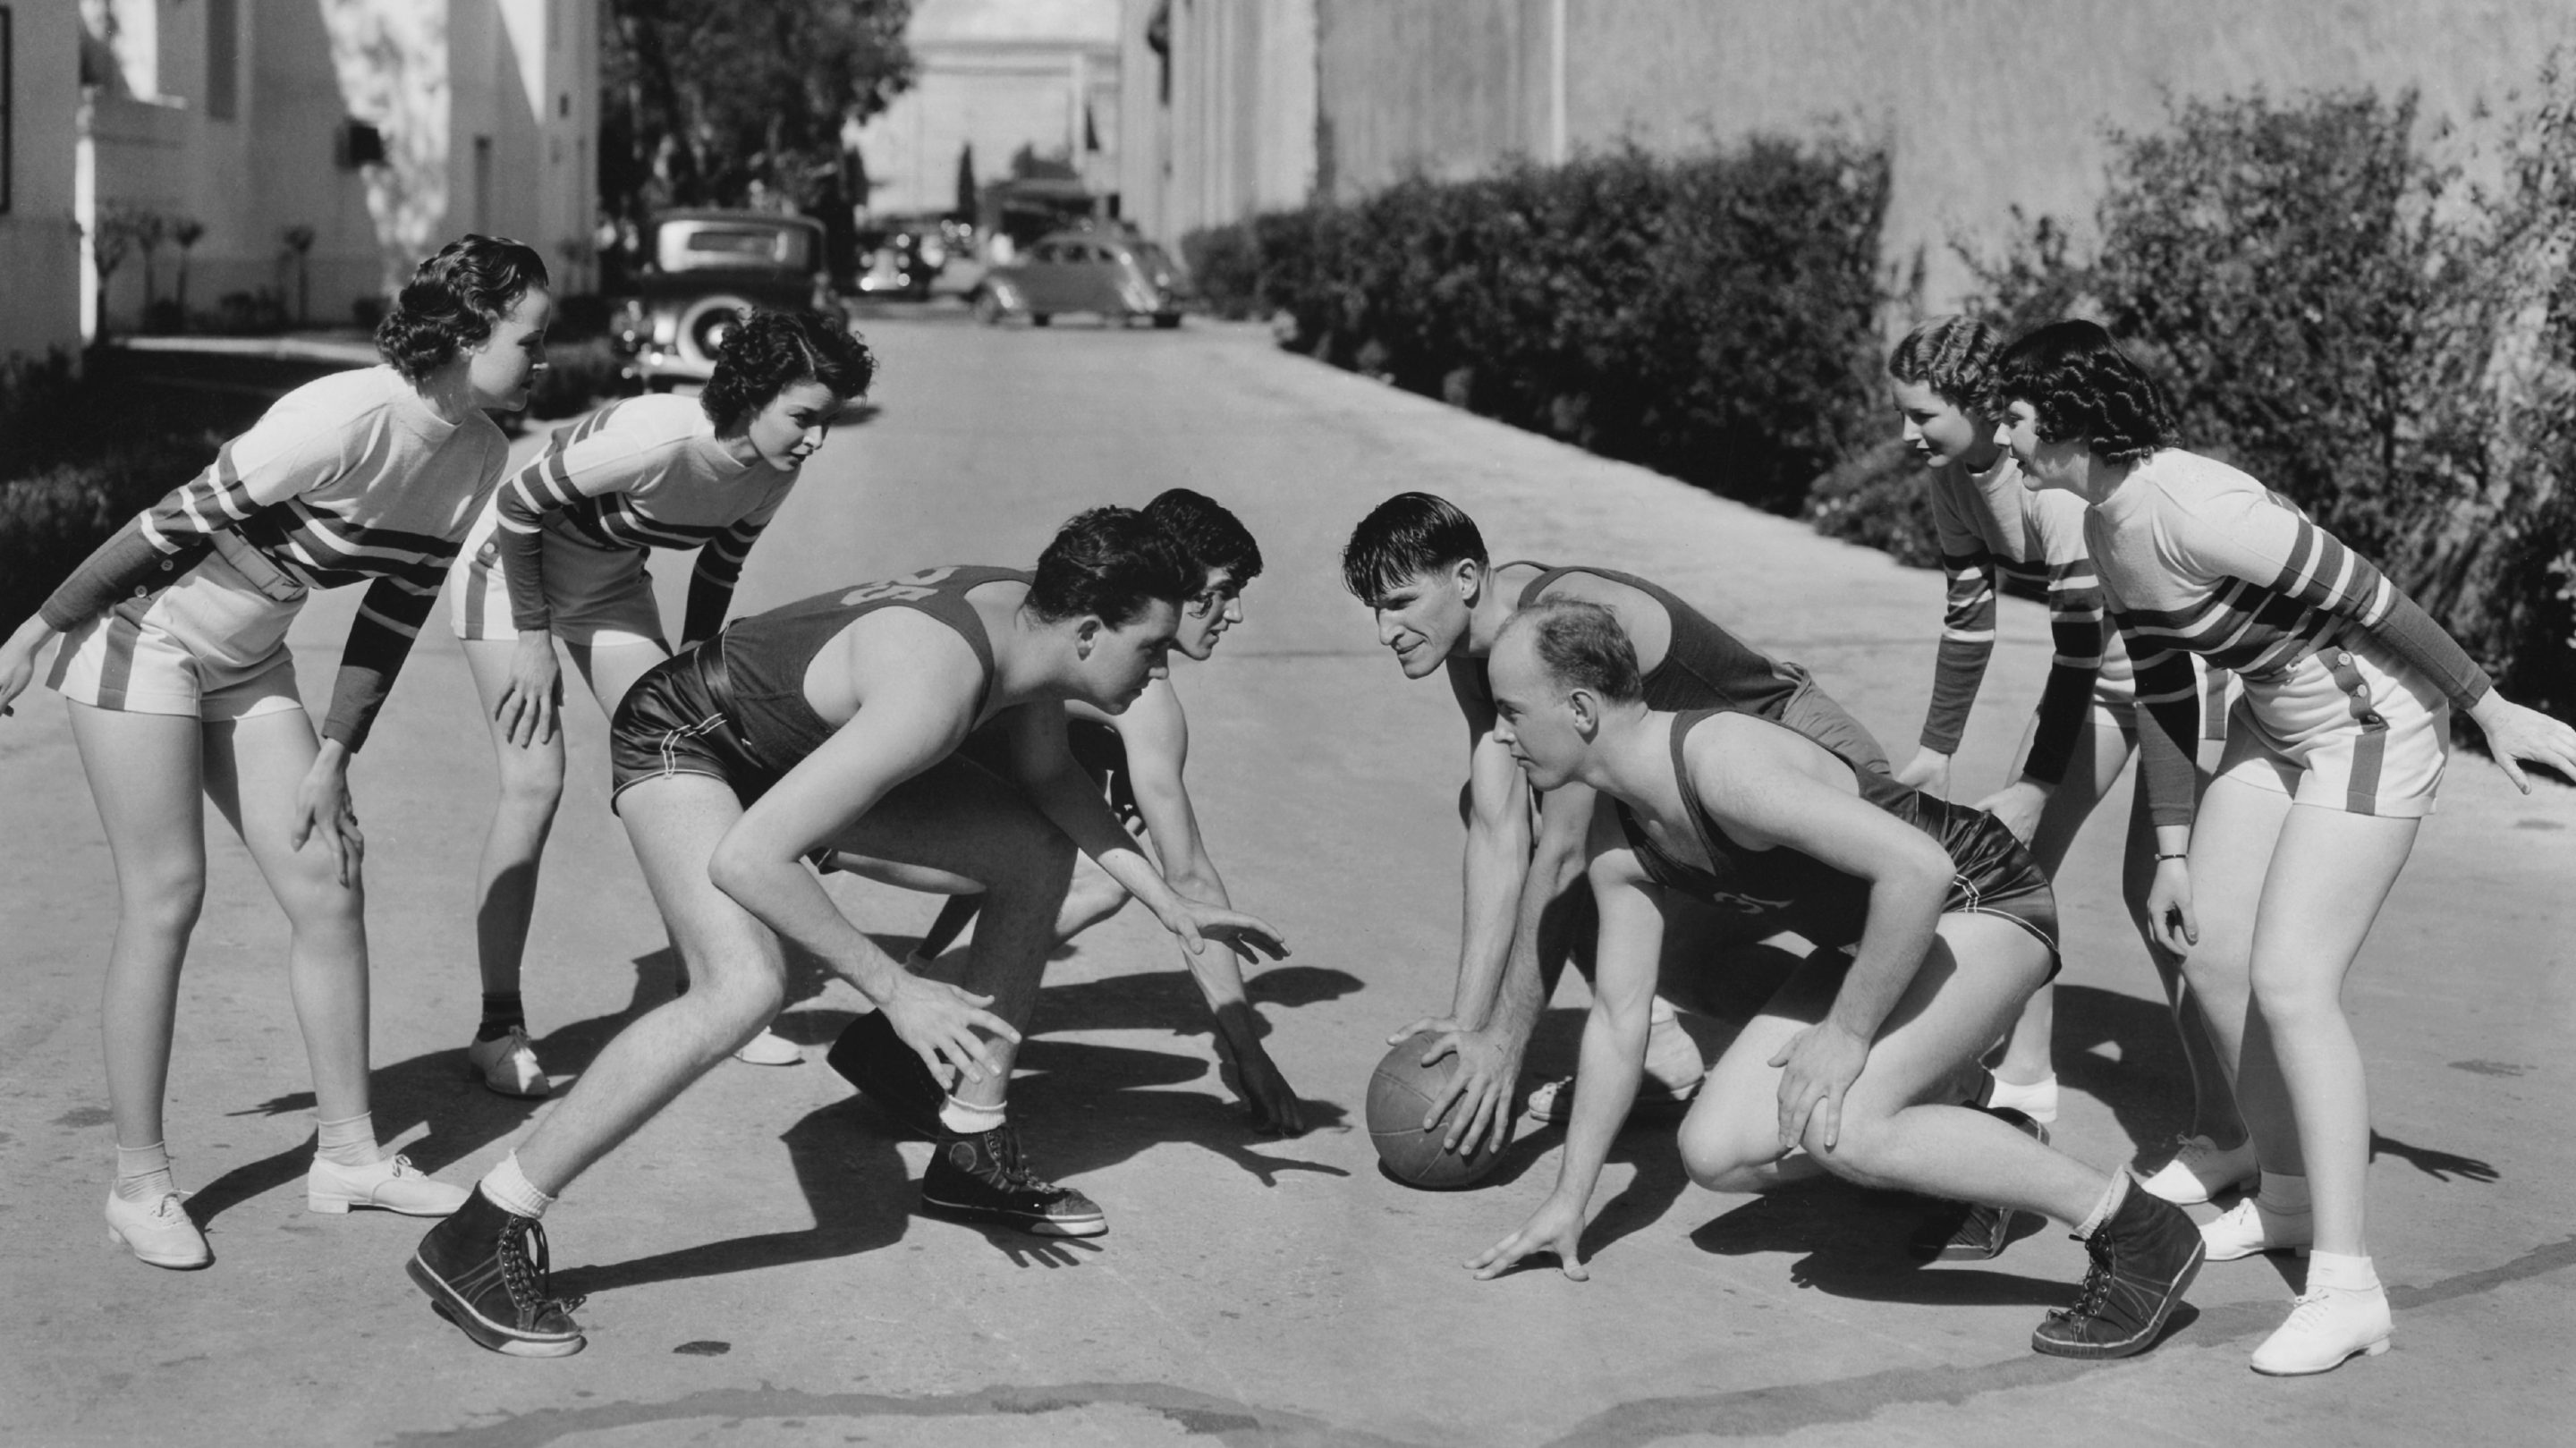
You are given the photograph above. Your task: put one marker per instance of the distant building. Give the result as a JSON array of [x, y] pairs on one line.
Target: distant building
[[1236, 106], [39, 239], [385, 127], [999, 76]]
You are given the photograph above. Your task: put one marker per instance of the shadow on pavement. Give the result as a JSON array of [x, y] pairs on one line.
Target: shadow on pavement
[[1854, 1241]]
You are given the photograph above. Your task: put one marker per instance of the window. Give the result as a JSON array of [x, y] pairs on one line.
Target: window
[[223, 59], [8, 105]]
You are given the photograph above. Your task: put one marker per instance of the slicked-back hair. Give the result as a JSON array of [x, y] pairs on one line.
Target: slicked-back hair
[[769, 352], [1406, 536], [1583, 646], [1111, 563], [1210, 536], [453, 300], [1954, 356], [2082, 386]]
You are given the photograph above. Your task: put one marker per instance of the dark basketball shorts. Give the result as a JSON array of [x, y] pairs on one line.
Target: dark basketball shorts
[[680, 719]]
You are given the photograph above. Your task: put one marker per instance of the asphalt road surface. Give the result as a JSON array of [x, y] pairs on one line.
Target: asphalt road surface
[[756, 1273]]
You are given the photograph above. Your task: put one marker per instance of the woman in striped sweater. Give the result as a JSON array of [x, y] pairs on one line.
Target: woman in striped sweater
[[1992, 526], [559, 555], [181, 686], [2334, 754]]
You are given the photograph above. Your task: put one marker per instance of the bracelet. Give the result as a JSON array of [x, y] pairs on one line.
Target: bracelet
[[2176, 855]]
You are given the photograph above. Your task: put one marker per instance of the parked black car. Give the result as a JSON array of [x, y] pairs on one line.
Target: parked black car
[[704, 270]]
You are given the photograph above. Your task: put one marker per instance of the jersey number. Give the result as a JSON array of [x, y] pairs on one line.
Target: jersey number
[[920, 586]]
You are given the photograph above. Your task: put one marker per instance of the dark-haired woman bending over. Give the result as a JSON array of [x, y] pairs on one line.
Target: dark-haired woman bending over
[[560, 555], [2334, 754], [180, 684]]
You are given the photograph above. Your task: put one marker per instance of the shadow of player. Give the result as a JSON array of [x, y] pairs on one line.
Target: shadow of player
[[1854, 1243]]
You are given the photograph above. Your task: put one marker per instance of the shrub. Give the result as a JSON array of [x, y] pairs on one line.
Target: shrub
[[1710, 316], [1879, 500]]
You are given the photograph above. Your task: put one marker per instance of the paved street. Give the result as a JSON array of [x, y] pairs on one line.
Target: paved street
[[755, 1271]]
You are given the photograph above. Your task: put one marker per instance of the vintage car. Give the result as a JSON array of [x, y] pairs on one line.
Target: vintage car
[[704, 270], [1110, 273]]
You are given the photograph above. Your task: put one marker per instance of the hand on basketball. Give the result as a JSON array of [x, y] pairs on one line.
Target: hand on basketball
[[938, 1021], [1928, 771], [1489, 1067], [2169, 914], [1557, 1226], [2516, 735], [1817, 1067], [1197, 922], [323, 808], [2019, 805], [532, 703]]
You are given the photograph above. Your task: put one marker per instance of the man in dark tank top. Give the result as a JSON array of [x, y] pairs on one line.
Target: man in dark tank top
[[830, 728], [1421, 566]]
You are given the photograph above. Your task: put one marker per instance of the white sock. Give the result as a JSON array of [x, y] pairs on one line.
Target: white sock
[[350, 1141], [511, 1191], [968, 1119], [2342, 1273], [2103, 1210], [2282, 1195], [143, 1173]]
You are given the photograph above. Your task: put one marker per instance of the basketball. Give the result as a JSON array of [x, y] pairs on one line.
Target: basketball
[[1399, 1096]]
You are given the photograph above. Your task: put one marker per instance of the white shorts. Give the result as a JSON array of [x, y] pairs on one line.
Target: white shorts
[[2346, 727], [211, 646], [598, 597]]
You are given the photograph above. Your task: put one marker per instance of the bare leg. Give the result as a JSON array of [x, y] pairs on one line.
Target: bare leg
[[2213, 1096], [523, 814], [1895, 1132], [738, 980], [144, 772], [2233, 839]]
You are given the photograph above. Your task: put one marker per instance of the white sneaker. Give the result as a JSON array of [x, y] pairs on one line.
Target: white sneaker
[[393, 1184], [2038, 1100], [2247, 1228], [508, 1064], [159, 1232], [2326, 1327], [769, 1049], [2200, 1170]]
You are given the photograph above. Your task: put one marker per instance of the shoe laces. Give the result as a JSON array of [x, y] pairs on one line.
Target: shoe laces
[[1010, 1162], [527, 1268], [2096, 1291]]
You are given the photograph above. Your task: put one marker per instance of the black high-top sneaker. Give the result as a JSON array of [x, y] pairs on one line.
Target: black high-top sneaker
[[984, 1178], [486, 1270], [870, 1056], [1967, 1232], [2143, 1259]]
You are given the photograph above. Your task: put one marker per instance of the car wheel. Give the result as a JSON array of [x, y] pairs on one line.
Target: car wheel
[[707, 323], [1166, 321], [988, 309], [1039, 319]]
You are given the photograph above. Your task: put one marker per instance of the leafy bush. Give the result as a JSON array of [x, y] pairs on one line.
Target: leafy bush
[[1712, 316], [1880, 500], [2340, 316]]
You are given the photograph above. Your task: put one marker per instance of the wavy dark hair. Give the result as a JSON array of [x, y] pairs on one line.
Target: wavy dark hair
[[1953, 355], [2084, 388], [769, 352], [1406, 536], [1111, 563], [1209, 534], [1583, 647], [454, 298]]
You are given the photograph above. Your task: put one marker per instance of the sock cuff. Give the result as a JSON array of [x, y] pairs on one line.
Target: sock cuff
[[511, 1191], [2109, 1206], [2339, 1270], [966, 1116]]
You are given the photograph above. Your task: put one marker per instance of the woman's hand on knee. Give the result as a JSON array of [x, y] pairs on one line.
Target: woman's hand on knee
[[532, 702], [938, 1021], [323, 808], [1817, 1067]]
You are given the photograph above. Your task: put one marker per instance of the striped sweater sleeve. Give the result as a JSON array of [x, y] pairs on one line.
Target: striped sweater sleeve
[[1967, 624], [289, 451], [2169, 725], [380, 638], [2077, 622], [719, 569], [2267, 541], [584, 460]]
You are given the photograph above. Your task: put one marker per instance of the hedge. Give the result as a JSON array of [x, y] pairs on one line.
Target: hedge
[[1711, 316]]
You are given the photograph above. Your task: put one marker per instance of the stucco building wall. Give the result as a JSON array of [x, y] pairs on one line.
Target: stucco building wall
[[39, 241]]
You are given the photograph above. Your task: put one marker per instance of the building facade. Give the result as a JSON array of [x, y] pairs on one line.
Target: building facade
[[40, 240], [370, 131], [997, 76], [1985, 104]]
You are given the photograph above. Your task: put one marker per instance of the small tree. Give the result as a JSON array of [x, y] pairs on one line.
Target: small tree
[[299, 241], [185, 230], [113, 237]]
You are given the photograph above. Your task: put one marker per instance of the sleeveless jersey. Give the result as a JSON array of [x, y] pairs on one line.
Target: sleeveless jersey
[[1703, 666], [1790, 890], [765, 656]]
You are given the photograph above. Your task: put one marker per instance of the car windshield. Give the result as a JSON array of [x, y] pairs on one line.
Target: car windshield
[[688, 245]]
